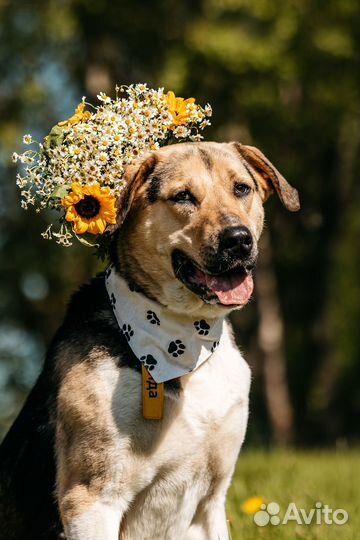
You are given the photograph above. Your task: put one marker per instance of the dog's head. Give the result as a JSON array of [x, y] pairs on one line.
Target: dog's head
[[189, 223]]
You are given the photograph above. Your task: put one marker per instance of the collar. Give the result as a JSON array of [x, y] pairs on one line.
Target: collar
[[168, 344]]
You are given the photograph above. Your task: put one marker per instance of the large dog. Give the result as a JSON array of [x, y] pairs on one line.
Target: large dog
[[80, 459]]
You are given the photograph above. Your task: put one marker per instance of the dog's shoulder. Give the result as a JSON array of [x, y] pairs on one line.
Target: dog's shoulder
[[90, 331]]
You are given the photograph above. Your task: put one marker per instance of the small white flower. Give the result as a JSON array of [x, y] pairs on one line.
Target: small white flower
[[15, 157], [102, 157], [27, 139], [104, 98], [208, 109], [181, 132]]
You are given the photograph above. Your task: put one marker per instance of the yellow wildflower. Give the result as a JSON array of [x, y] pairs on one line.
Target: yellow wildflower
[[178, 108], [80, 116], [252, 505]]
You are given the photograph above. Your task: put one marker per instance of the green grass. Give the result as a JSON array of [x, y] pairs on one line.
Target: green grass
[[332, 478]]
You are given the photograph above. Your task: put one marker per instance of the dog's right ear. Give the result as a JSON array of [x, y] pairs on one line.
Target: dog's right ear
[[135, 176]]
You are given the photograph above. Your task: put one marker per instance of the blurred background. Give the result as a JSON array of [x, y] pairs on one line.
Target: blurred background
[[284, 76]]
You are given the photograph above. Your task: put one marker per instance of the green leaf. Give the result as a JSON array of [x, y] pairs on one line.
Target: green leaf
[[61, 191], [55, 138]]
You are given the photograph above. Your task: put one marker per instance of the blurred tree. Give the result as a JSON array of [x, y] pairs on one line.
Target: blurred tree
[[282, 75]]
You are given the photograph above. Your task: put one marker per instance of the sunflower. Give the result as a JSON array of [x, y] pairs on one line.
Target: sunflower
[[178, 108], [79, 116], [90, 208]]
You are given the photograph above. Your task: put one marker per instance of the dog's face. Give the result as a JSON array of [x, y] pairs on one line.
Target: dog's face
[[192, 216]]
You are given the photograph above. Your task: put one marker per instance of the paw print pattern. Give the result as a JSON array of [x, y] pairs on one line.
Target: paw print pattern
[[152, 317], [112, 300], [133, 287], [108, 271], [215, 346], [202, 327], [127, 331], [176, 348], [149, 361]]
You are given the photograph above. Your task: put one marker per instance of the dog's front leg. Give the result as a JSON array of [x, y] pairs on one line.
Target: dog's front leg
[[91, 458], [97, 520], [210, 522], [90, 508]]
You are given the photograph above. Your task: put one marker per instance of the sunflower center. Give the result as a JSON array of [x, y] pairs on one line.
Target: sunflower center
[[88, 207]]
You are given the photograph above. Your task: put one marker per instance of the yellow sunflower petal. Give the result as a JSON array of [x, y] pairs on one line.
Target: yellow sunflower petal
[[109, 216], [105, 190], [71, 200], [97, 226], [171, 99], [71, 214], [80, 226], [77, 188], [178, 103], [77, 117], [80, 108]]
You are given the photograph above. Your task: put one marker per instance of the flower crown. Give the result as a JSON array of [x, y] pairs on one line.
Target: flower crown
[[78, 170]]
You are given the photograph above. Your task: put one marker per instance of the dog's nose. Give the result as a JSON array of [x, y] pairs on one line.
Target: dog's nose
[[236, 240]]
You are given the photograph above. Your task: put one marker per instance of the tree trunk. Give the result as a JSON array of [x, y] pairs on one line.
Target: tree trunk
[[270, 338]]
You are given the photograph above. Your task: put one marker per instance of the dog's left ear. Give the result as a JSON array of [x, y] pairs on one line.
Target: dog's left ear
[[135, 176], [271, 178]]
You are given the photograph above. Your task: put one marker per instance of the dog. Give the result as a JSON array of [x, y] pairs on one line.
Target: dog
[[81, 462]]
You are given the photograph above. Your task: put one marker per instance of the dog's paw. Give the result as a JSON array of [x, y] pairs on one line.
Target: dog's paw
[[176, 348], [152, 317], [202, 327], [127, 331], [149, 361], [215, 346]]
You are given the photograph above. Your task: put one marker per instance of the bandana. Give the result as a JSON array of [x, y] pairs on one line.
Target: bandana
[[168, 344]]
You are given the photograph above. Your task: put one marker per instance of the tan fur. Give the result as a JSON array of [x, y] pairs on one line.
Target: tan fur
[[152, 231], [86, 432]]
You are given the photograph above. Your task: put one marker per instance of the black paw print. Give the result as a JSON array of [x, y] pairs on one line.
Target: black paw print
[[133, 287], [215, 346], [108, 271], [149, 361], [127, 331], [202, 327], [176, 348], [113, 300], [152, 317]]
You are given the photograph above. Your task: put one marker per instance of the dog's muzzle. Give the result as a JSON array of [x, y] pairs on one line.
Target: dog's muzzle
[[225, 278]]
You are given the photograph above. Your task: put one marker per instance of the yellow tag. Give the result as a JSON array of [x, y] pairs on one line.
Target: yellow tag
[[152, 396]]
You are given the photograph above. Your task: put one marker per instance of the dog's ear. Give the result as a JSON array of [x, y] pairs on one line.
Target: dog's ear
[[270, 176], [135, 176]]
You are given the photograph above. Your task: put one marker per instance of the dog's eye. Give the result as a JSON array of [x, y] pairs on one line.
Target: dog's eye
[[183, 197], [241, 190]]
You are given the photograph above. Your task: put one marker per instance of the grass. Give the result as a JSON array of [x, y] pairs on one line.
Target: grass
[[332, 478]]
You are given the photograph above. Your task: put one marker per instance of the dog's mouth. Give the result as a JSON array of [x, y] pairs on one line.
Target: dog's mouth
[[233, 287]]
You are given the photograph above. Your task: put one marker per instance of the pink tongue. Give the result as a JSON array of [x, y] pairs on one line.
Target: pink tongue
[[231, 289]]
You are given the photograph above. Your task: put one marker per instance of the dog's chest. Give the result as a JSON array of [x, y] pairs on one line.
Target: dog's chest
[[172, 465]]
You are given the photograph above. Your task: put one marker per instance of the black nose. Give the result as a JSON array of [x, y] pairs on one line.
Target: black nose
[[236, 240]]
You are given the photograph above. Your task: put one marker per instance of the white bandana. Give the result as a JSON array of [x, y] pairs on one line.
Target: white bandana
[[168, 344]]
